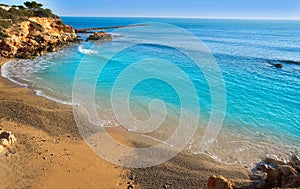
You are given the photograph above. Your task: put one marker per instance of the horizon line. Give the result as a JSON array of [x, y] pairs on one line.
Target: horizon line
[[221, 18]]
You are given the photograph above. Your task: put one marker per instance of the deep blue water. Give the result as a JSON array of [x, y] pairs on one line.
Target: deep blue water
[[262, 102]]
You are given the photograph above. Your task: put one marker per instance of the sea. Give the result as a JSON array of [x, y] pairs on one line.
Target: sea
[[147, 69]]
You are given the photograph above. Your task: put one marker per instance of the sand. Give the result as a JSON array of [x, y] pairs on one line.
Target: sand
[[51, 154]]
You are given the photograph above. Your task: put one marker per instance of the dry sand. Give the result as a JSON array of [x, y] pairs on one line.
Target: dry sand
[[51, 154]]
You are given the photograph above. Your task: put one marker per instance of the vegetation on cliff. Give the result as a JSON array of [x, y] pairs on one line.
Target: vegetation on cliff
[[14, 14], [30, 30]]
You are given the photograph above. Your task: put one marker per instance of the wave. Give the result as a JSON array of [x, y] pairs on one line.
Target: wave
[[6, 74], [87, 51]]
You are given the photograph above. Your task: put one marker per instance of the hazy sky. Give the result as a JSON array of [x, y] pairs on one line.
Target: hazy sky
[[283, 9]]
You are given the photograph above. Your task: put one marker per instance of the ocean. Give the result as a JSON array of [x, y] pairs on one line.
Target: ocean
[[262, 113]]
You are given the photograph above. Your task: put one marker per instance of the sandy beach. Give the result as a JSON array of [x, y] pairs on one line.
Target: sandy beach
[[50, 153]]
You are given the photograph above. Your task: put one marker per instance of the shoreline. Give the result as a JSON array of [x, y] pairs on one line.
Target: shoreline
[[39, 155], [49, 152]]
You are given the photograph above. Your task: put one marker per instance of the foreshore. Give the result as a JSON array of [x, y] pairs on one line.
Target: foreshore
[[51, 154]]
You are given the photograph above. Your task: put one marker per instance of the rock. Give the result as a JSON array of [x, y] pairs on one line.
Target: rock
[[100, 36], [34, 37], [4, 142], [282, 176], [219, 182], [275, 63], [278, 65], [273, 177], [290, 62], [130, 185], [9, 136], [295, 162], [52, 49], [289, 177]]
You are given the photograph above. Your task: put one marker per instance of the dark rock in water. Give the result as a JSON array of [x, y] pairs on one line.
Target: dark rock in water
[[290, 62], [100, 36], [278, 65]]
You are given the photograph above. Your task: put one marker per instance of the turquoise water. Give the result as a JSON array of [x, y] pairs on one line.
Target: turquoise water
[[263, 106]]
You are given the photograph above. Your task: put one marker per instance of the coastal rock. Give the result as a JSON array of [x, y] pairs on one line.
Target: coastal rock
[[274, 160], [100, 36], [219, 182], [290, 62], [275, 63], [35, 37], [278, 65], [289, 177], [295, 162], [278, 174], [273, 176], [6, 139], [4, 142], [9, 136]]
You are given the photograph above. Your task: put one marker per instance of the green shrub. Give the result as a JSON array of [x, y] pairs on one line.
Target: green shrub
[[33, 5], [4, 14], [4, 24], [59, 22], [44, 13]]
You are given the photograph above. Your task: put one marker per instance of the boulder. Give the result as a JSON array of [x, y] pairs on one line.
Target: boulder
[[289, 177], [295, 162], [219, 182], [273, 177], [9, 136], [278, 65], [4, 142], [99, 36]]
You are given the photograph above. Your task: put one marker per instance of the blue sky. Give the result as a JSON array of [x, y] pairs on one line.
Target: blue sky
[[270, 9]]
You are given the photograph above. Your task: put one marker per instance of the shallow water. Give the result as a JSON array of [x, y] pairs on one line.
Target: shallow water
[[262, 112]]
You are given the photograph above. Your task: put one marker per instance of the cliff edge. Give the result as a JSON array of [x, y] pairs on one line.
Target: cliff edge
[[30, 31]]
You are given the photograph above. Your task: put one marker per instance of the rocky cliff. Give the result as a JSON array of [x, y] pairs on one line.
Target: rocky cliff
[[34, 37]]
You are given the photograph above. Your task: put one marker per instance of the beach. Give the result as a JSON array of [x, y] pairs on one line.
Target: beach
[[140, 101], [50, 153]]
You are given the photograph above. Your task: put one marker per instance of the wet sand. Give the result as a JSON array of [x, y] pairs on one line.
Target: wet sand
[[51, 154]]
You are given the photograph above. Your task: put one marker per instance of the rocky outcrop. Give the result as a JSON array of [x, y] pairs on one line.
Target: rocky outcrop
[[219, 182], [103, 36], [277, 65], [6, 139], [34, 37], [273, 173]]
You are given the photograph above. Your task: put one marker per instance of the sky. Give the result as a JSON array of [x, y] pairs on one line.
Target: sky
[[258, 9]]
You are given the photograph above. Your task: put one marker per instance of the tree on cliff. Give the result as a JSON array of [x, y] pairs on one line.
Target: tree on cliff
[[33, 5], [38, 9]]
